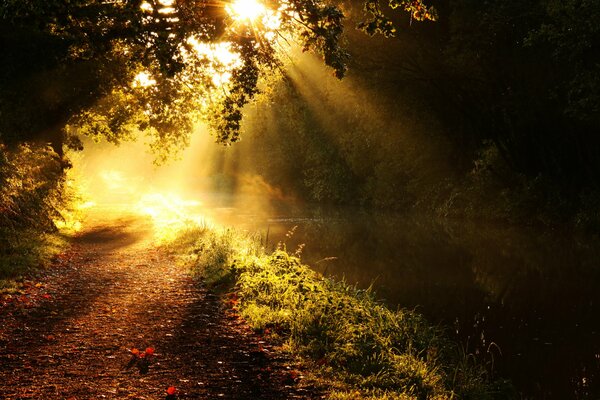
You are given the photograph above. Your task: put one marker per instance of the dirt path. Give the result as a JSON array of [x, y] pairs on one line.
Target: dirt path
[[69, 335]]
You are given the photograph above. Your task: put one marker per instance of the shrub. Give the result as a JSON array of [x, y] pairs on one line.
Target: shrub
[[32, 195]]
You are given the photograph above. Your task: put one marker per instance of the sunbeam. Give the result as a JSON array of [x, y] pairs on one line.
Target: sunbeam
[[246, 10]]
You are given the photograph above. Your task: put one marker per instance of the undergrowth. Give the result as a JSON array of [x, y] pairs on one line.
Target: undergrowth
[[34, 197], [360, 348]]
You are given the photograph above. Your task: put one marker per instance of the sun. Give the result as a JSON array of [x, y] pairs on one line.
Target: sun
[[246, 10]]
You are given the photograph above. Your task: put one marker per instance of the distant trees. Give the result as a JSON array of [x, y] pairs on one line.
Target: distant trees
[[526, 77]]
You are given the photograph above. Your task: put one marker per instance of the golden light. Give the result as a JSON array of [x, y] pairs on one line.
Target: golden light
[[121, 182], [263, 21], [246, 10], [113, 179], [143, 79], [219, 53], [169, 206], [167, 10], [222, 60], [171, 214], [163, 6]]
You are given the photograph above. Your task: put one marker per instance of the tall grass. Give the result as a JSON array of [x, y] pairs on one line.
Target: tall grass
[[360, 347]]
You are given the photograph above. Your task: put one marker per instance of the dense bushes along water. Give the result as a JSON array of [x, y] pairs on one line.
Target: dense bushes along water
[[362, 348]]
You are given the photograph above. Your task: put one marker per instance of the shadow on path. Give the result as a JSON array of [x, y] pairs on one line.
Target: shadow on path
[[120, 233]]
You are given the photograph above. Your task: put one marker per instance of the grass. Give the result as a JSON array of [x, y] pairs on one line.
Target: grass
[[27, 252], [359, 348]]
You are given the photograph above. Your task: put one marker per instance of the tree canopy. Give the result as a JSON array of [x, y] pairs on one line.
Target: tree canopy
[[114, 68]]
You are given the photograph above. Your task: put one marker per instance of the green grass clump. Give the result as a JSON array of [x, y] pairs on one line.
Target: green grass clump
[[366, 350]]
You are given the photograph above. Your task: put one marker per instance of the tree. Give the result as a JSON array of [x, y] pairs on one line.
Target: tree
[[115, 68]]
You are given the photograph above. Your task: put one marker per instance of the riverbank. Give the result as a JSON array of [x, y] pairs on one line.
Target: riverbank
[[357, 347]]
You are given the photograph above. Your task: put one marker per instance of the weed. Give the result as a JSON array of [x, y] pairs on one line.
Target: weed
[[366, 350]]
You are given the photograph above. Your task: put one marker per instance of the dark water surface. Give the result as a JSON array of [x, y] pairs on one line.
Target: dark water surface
[[524, 301]]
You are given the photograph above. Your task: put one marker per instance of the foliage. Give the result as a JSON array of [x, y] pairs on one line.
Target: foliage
[[77, 62], [380, 23], [540, 108], [429, 120], [30, 187], [367, 349], [570, 32], [32, 198]]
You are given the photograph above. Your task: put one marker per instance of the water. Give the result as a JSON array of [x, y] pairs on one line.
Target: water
[[523, 301]]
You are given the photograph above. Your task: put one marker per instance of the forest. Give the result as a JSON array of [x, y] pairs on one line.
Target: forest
[[519, 138], [453, 113]]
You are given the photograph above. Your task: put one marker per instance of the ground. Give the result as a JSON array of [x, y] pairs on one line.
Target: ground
[[69, 335]]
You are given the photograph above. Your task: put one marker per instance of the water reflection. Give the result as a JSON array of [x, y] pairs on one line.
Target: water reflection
[[522, 300]]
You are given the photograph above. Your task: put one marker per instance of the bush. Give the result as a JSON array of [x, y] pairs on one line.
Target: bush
[[32, 195]]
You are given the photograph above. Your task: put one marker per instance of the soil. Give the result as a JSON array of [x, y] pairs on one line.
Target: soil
[[70, 334]]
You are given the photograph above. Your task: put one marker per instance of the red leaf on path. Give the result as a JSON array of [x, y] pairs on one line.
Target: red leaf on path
[[149, 351], [171, 390], [46, 296]]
